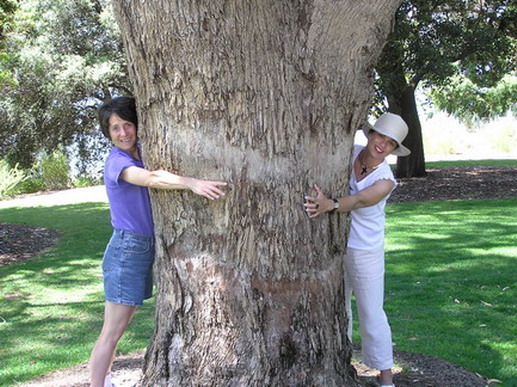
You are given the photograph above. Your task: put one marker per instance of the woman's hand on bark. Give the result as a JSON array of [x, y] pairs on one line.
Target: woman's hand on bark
[[315, 206]]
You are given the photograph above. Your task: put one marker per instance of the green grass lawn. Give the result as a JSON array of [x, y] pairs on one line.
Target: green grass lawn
[[473, 163], [452, 282], [51, 307], [451, 288]]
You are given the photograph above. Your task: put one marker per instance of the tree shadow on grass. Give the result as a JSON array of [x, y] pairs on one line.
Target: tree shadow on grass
[[451, 270], [51, 306]]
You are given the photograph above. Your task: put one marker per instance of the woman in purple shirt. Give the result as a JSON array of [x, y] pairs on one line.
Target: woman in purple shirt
[[128, 259]]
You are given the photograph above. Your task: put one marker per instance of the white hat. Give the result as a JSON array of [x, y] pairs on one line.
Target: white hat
[[394, 127]]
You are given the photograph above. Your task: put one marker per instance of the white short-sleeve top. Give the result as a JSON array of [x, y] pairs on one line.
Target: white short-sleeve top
[[367, 224]]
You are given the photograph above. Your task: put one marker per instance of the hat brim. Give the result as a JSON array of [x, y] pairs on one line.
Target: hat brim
[[401, 150]]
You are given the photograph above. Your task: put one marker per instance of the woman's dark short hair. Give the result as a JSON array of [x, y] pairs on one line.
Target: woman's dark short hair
[[124, 107]]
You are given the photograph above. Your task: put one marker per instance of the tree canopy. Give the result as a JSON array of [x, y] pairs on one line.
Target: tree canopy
[[434, 41], [65, 56], [469, 103], [7, 9]]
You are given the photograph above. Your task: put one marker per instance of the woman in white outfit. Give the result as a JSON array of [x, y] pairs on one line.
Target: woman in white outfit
[[371, 183]]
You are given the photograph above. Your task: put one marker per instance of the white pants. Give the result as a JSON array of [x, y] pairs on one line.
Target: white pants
[[364, 276]]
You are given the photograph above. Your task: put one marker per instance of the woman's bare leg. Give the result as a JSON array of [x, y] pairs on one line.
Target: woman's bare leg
[[116, 320]]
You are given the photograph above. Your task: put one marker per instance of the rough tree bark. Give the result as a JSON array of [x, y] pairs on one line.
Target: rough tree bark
[[264, 94], [414, 164]]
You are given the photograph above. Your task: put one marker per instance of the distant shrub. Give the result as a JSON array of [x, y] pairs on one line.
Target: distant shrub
[[10, 178], [443, 140], [82, 182], [55, 170], [502, 138], [30, 185]]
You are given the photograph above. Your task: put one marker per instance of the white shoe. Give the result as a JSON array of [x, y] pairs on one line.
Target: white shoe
[[107, 381]]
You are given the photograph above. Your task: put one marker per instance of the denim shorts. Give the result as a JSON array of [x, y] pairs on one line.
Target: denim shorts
[[127, 268]]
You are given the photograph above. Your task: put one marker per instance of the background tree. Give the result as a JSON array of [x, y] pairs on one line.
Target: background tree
[[470, 103], [65, 57], [266, 95], [7, 9], [434, 41]]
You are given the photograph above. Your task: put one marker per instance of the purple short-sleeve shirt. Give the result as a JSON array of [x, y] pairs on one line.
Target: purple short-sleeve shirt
[[130, 206]]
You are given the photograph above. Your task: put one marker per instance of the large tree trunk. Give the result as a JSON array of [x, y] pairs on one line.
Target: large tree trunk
[[414, 164], [264, 94]]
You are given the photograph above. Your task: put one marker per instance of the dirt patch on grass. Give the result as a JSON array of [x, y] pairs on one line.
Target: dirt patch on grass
[[19, 242], [458, 183]]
